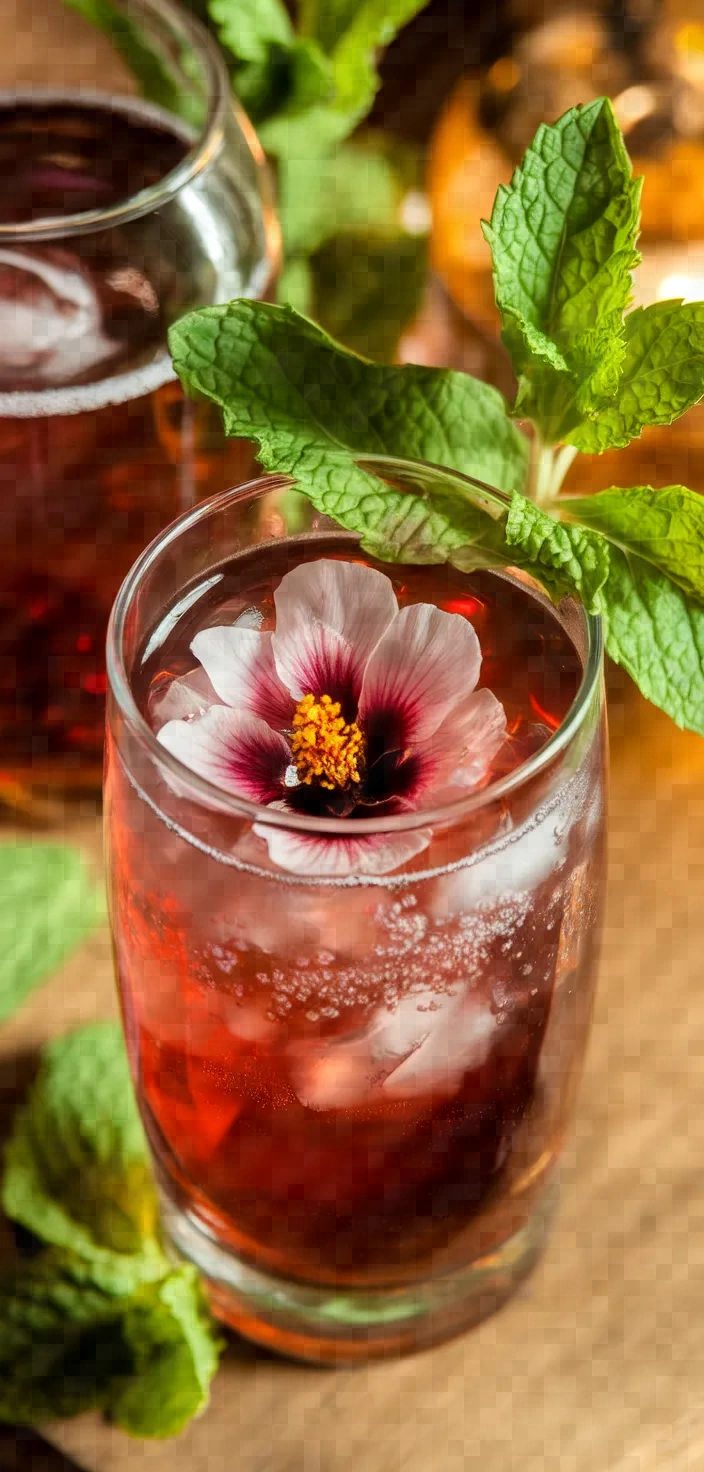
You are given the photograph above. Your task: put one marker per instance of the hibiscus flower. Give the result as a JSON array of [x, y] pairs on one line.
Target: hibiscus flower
[[352, 708]]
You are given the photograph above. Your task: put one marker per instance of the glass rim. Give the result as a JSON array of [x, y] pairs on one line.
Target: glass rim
[[205, 146], [198, 789]]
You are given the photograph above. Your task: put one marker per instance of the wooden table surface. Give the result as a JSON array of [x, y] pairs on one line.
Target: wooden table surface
[[598, 1364]]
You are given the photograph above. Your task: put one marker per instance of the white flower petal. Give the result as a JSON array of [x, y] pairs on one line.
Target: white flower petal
[[240, 665], [424, 665], [371, 853], [461, 751], [315, 660], [352, 603], [232, 749]]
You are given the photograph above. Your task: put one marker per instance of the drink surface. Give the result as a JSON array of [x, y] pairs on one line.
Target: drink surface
[[62, 157], [364, 1081], [81, 308], [528, 660], [98, 448]]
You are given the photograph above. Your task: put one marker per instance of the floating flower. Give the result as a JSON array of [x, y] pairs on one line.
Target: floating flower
[[352, 708]]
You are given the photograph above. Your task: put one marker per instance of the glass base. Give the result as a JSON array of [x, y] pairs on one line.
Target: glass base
[[325, 1325]]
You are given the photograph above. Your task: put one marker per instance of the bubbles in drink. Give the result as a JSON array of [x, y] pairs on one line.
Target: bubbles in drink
[[355, 1074]]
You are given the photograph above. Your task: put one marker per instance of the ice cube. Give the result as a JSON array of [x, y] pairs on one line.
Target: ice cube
[[342, 1073], [336, 1077], [422, 1045], [459, 1038], [249, 1023], [51, 321], [519, 863], [188, 695], [286, 918]]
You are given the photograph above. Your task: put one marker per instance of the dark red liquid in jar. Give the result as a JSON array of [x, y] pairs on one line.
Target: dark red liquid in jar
[[62, 157], [345, 1084], [98, 447]]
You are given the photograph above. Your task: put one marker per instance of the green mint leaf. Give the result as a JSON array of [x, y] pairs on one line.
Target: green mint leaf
[[312, 78], [249, 28], [61, 1343], [175, 1352], [651, 626], [327, 20], [370, 26], [67, 1346], [562, 237], [367, 288], [294, 287], [49, 904], [355, 38], [355, 188], [169, 88], [100, 1319], [313, 407], [366, 280], [665, 527], [287, 85], [662, 375], [567, 559], [279, 74], [77, 1171], [657, 633]]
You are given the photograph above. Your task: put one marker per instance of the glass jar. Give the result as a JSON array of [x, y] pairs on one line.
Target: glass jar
[[120, 214]]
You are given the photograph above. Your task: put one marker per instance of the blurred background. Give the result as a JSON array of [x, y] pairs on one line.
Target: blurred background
[[406, 273]]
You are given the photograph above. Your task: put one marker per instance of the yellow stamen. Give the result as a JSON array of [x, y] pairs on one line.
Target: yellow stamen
[[325, 749]]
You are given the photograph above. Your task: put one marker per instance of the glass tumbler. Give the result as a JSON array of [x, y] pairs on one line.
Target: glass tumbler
[[118, 214], [356, 1088]]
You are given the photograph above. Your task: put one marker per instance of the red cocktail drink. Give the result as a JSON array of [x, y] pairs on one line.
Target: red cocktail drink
[[355, 1078]]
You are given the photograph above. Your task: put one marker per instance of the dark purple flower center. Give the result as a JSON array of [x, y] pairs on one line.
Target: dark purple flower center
[[383, 771]]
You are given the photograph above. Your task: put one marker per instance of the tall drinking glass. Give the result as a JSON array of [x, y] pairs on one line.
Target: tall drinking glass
[[116, 216], [356, 1085]]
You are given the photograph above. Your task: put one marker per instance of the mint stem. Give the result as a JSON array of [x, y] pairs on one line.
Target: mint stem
[[540, 470], [547, 468], [562, 459]]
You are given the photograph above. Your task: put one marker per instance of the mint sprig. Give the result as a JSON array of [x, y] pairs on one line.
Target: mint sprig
[[307, 75], [313, 408], [563, 242], [77, 1172], [100, 1319], [312, 120], [67, 1346], [661, 376], [563, 237], [50, 904], [663, 527]]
